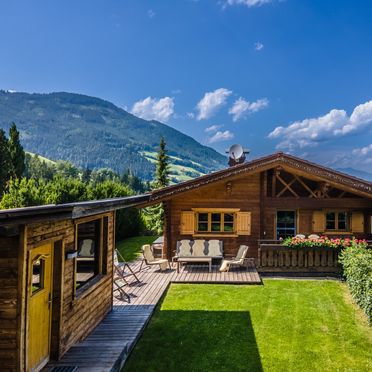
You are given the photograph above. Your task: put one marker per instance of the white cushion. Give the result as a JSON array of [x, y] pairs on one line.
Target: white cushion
[[214, 249], [198, 248], [184, 249]]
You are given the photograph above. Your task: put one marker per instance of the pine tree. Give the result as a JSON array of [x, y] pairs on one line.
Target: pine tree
[[5, 162], [17, 154], [155, 214], [162, 166]]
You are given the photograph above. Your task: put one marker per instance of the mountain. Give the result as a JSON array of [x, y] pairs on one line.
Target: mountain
[[357, 173], [94, 133]]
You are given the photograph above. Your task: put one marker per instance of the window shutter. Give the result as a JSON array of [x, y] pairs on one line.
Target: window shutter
[[318, 221], [243, 223], [187, 222], [357, 222]]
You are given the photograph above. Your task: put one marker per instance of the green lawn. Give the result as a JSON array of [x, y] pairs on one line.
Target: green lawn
[[283, 325], [130, 248]]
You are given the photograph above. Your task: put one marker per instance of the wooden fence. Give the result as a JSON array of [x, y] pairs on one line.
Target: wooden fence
[[278, 258]]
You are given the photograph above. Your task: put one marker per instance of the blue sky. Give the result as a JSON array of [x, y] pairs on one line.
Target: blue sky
[[290, 75]]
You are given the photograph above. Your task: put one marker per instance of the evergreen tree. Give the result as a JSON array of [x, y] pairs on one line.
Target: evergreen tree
[[155, 214], [17, 154], [162, 166], [5, 162]]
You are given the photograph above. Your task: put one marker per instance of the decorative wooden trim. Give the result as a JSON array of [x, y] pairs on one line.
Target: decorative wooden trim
[[288, 162], [211, 235], [216, 210]]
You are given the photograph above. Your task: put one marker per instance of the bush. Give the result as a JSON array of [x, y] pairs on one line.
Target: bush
[[357, 268]]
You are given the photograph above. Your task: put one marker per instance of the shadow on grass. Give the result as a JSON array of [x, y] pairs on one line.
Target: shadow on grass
[[197, 341]]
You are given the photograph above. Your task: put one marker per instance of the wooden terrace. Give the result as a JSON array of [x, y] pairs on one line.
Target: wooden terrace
[[109, 345]]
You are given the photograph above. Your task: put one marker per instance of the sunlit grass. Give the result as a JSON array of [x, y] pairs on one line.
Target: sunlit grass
[[283, 325], [130, 248]]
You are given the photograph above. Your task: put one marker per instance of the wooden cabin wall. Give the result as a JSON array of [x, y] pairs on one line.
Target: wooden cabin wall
[[9, 313], [77, 316], [244, 194], [250, 193]]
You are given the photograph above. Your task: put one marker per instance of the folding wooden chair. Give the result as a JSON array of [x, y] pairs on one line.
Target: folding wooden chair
[[120, 268], [120, 283]]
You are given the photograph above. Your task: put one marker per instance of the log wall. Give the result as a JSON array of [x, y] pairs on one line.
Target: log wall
[[243, 194], [75, 316], [249, 193], [9, 348]]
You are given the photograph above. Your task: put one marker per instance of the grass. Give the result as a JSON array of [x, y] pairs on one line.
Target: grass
[[283, 325], [130, 248]]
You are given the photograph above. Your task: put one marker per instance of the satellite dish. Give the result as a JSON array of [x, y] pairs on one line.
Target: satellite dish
[[236, 154]]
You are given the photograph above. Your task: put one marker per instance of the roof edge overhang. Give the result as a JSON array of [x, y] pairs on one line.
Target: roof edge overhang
[[54, 212], [289, 162]]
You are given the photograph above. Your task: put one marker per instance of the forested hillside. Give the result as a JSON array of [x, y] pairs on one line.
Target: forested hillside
[[93, 133]]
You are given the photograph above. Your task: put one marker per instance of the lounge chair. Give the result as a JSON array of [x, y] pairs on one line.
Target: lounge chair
[[237, 261], [119, 284], [122, 268], [150, 260]]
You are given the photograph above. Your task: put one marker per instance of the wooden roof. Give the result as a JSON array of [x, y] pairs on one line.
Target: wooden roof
[[287, 162], [68, 210]]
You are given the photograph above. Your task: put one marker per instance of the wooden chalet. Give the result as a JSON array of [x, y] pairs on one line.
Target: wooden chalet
[[261, 201], [49, 297], [56, 262]]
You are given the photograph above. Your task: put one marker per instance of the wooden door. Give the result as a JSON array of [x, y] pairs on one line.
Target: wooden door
[[40, 306]]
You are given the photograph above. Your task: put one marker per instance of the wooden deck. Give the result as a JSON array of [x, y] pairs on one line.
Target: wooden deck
[[109, 345]]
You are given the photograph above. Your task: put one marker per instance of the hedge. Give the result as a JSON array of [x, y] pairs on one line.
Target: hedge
[[357, 269]]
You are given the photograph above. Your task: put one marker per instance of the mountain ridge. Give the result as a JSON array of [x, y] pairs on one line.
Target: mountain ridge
[[92, 132]]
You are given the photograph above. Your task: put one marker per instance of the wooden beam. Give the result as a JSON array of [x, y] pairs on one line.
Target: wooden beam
[[311, 192], [287, 186]]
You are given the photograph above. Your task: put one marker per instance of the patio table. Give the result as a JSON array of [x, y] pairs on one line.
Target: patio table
[[194, 259]]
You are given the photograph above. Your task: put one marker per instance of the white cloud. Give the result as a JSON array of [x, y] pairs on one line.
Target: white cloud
[[357, 158], [151, 13], [213, 128], [258, 46], [248, 3], [241, 108], [336, 123], [154, 109], [191, 115], [221, 136], [363, 151], [211, 102]]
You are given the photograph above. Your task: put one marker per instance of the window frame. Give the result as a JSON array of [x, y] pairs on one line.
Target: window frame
[[296, 214], [210, 212], [336, 213], [102, 253]]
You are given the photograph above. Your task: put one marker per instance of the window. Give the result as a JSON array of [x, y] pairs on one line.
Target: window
[[37, 275], [285, 224], [336, 221], [91, 243], [215, 222]]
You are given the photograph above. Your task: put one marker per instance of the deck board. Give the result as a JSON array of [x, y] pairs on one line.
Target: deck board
[[110, 343]]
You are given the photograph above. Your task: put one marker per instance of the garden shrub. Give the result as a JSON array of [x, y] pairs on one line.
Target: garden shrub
[[356, 261]]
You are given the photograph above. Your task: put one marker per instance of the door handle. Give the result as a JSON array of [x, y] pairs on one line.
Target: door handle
[[49, 302]]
